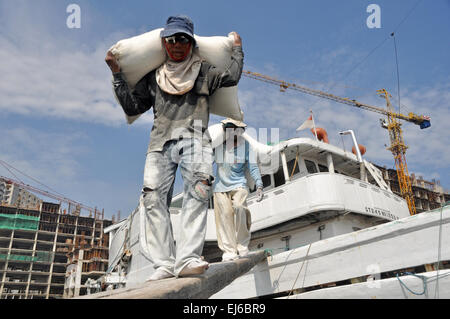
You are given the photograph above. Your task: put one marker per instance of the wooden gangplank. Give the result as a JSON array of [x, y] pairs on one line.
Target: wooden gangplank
[[218, 276]]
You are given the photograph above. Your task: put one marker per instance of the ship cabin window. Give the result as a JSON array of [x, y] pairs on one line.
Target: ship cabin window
[[311, 167], [279, 177], [323, 169], [266, 181]]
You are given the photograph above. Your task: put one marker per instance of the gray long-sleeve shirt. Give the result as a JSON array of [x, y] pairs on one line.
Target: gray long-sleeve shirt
[[174, 114]]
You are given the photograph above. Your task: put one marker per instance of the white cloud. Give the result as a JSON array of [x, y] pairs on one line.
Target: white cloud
[[58, 84], [51, 157]]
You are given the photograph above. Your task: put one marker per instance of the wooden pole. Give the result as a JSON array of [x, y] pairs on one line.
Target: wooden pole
[[217, 277]]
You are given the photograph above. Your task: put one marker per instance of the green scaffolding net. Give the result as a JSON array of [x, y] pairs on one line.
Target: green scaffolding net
[[41, 256], [18, 221], [44, 256], [17, 257]]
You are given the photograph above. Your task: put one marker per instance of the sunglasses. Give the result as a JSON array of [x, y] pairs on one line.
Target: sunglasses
[[177, 38]]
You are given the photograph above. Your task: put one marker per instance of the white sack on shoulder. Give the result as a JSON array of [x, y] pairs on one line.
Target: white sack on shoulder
[[139, 55], [215, 50], [142, 54]]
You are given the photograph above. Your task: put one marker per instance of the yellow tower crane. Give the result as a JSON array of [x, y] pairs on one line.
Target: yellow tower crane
[[398, 146]]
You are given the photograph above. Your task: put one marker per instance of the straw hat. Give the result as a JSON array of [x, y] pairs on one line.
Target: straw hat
[[234, 122]]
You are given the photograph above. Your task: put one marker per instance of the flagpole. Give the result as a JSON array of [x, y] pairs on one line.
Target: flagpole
[[314, 125]]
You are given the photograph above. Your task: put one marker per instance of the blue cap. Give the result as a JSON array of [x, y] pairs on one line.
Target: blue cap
[[178, 24]]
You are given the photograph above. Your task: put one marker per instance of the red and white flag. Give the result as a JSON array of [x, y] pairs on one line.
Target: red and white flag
[[307, 124]]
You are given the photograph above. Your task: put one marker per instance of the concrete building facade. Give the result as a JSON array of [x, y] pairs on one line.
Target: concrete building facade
[[428, 195], [13, 195], [2, 190], [35, 245]]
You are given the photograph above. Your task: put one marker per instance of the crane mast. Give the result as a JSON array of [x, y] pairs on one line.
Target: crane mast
[[398, 149], [398, 146]]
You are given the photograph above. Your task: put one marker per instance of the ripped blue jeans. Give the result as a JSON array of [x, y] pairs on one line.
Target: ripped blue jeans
[[195, 162]]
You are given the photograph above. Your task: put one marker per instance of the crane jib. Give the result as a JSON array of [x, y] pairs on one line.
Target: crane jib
[[422, 121]]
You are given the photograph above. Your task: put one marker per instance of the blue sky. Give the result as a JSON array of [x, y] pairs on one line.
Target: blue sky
[[60, 123]]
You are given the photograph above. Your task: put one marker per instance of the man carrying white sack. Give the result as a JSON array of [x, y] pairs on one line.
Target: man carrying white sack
[[179, 93], [233, 218]]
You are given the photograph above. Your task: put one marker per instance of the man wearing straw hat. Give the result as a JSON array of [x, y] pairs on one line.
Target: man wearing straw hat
[[233, 218]]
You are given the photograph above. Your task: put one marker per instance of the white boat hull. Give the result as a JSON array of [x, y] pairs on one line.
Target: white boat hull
[[429, 285], [408, 242]]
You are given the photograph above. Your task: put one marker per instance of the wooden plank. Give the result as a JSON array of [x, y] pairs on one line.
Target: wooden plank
[[202, 286]]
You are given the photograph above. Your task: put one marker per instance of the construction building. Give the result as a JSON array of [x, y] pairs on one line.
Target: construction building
[[85, 262], [14, 195], [38, 246], [428, 195], [2, 190]]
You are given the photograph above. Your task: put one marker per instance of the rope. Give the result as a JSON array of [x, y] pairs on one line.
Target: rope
[[307, 253], [436, 291], [374, 49], [437, 277], [407, 16], [285, 264], [381, 43], [295, 164], [423, 278], [269, 252], [398, 74], [3, 163]]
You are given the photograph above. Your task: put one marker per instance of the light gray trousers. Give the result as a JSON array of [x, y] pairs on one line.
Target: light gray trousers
[[195, 163], [233, 222]]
